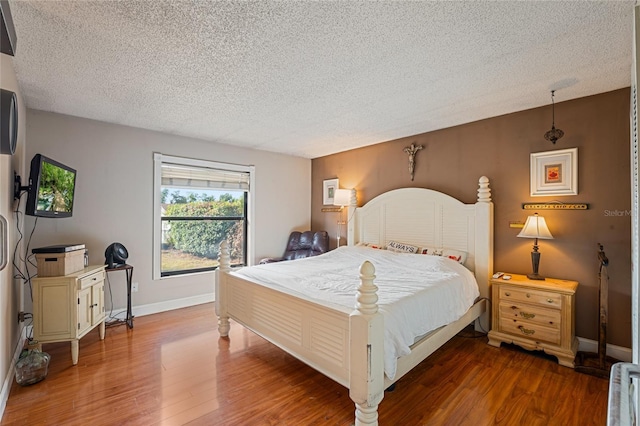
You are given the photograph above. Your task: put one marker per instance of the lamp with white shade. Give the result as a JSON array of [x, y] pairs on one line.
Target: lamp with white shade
[[535, 227], [342, 198]]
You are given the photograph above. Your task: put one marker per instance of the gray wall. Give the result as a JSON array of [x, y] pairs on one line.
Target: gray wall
[[114, 197]]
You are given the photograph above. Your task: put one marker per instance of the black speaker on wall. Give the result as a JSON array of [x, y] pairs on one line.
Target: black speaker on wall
[[115, 255], [8, 122]]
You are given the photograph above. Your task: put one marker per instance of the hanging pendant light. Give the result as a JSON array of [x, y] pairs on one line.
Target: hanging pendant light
[[554, 134]]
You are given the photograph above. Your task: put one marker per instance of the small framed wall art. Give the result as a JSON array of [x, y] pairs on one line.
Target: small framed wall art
[[329, 187], [554, 172]]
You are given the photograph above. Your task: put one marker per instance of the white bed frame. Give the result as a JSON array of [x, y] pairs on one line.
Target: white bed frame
[[348, 346]]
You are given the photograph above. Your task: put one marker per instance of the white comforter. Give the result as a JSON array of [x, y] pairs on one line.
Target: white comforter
[[416, 293]]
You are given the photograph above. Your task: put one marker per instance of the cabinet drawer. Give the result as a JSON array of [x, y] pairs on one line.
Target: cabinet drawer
[[535, 332], [531, 313], [541, 298], [92, 279]]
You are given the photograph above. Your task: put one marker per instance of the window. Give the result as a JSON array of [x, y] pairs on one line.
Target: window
[[197, 205]]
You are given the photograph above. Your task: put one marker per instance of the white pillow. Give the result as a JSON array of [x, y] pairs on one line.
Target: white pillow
[[371, 245], [431, 251], [401, 247], [457, 255]]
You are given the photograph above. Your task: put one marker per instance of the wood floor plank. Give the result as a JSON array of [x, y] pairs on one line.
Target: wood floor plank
[[174, 369]]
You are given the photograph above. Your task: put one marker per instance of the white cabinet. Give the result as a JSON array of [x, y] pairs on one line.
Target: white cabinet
[[67, 307]]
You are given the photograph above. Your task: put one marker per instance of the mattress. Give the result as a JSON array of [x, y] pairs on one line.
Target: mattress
[[416, 293]]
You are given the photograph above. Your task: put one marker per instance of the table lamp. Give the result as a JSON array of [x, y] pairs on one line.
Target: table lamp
[[535, 227]]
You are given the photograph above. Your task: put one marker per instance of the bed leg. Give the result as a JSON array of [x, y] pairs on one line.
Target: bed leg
[[224, 261], [366, 415], [224, 326]]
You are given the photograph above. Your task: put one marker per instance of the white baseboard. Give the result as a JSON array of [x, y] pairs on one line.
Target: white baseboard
[[617, 352], [8, 381], [155, 308]]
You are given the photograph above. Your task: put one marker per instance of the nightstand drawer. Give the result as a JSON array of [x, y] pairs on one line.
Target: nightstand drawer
[[542, 298], [531, 313], [530, 330]]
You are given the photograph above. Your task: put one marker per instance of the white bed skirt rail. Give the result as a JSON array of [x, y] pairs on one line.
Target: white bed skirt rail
[[622, 390]]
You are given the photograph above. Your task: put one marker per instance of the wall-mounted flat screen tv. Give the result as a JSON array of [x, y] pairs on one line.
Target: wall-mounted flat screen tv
[[51, 188]]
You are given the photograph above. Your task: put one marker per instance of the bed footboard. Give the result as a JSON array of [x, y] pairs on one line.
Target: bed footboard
[[346, 347]]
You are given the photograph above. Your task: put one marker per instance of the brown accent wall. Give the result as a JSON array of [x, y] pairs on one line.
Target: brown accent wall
[[453, 159]]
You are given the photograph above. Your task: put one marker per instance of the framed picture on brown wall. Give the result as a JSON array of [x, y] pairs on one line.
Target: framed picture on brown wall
[[329, 187], [554, 172]]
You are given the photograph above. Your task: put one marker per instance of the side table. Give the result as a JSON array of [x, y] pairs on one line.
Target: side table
[[128, 269]]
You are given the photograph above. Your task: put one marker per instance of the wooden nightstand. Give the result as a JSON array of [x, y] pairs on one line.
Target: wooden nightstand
[[536, 315]]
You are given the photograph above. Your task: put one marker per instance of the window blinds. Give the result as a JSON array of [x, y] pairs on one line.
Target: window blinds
[[183, 176]]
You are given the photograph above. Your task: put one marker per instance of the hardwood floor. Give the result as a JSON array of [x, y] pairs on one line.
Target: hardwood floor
[[173, 369]]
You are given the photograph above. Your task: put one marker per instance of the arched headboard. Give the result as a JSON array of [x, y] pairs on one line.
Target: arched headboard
[[428, 218]]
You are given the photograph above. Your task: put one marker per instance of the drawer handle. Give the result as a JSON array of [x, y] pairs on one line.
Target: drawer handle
[[526, 331], [550, 300], [526, 315], [507, 294], [528, 295]]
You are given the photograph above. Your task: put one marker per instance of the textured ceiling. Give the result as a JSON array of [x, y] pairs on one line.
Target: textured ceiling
[[314, 78]]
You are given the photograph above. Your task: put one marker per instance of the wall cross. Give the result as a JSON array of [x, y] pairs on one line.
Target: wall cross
[[412, 150]]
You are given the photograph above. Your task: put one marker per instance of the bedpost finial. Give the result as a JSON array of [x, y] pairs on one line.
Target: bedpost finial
[[367, 298], [353, 200], [484, 192], [224, 259], [367, 270]]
